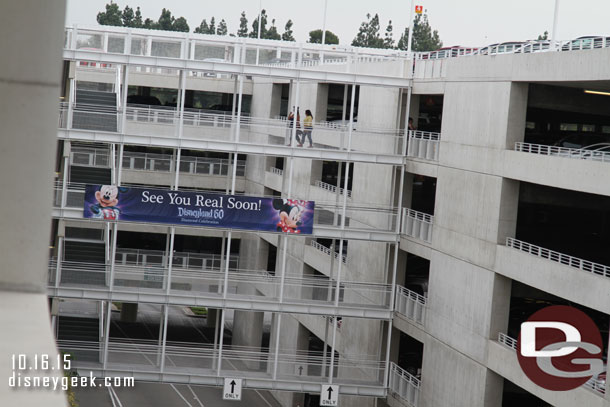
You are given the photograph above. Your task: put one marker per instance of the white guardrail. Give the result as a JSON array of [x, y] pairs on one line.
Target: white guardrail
[[331, 188], [404, 385], [565, 259], [417, 224], [410, 304], [327, 251], [202, 360], [598, 386], [555, 151], [423, 144], [138, 161], [277, 171]]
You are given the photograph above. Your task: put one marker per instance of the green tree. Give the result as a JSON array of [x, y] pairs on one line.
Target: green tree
[[222, 28], [212, 29], [137, 20], [150, 24], [388, 41], [203, 28], [181, 25], [112, 15], [165, 22], [315, 37], [254, 32], [544, 36], [272, 33], [368, 34], [243, 25], [288, 34], [128, 17], [424, 38]]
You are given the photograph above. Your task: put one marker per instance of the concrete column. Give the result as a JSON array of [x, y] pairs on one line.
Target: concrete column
[[30, 76], [517, 111], [129, 312], [212, 318], [248, 331]]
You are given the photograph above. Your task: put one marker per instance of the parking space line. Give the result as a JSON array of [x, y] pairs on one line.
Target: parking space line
[[181, 396]]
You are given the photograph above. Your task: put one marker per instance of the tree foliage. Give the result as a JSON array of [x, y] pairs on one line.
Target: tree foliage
[[128, 18], [222, 28], [544, 36], [254, 32], [288, 35], [424, 38], [243, 25], [315, 37], [368, 34], [112, 15], [272, 33]]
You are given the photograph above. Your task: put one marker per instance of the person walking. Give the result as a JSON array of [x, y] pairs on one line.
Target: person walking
[[307, 128], [291, 126]]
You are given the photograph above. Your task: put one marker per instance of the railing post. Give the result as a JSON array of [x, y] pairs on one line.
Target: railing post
[[60, 247]]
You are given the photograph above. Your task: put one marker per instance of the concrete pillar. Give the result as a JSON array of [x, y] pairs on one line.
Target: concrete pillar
[[129, 312], [293, 335], [248, 331], [517, 111], [30, 84], [212, 318], [509, 205]]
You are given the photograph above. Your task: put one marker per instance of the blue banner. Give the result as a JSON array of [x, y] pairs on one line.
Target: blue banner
[[110, 202]]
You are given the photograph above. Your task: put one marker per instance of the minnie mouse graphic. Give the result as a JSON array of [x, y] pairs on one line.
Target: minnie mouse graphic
[[291, 211], [107, 199]]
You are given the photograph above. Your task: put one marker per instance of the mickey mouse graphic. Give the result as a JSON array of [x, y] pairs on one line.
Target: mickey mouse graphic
[[291, 211], [107, 197]]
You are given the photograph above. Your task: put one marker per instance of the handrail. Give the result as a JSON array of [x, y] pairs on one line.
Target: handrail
[[556, 151], [327, 251], [331, 188], [507, 340], [571, 261], [277, 171], [414, 381], [424, 135], [424, 217], [412, 295]]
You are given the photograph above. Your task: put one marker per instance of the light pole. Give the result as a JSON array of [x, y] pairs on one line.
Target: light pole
[[555, 21], [324, 23], [410, 39], [260, 11]]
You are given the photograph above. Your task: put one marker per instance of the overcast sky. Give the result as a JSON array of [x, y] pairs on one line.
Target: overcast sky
[[459, 22]]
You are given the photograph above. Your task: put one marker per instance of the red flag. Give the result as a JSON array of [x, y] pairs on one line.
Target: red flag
[[419, 9]]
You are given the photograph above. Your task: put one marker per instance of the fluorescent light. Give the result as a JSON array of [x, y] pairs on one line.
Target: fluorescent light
[[597, 92]]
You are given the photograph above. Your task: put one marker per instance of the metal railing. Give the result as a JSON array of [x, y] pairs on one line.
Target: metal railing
[[196, 280], [584, 265], [555, 151], [598, 386], [158, 121], [203, 360], [188, 164], [410, 304], [404, 385], [277, 171], [191, 261], [417, 224], [507, 341], [219, 50], [90, 157], [331, 188], [327, 251], [423, 144]]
